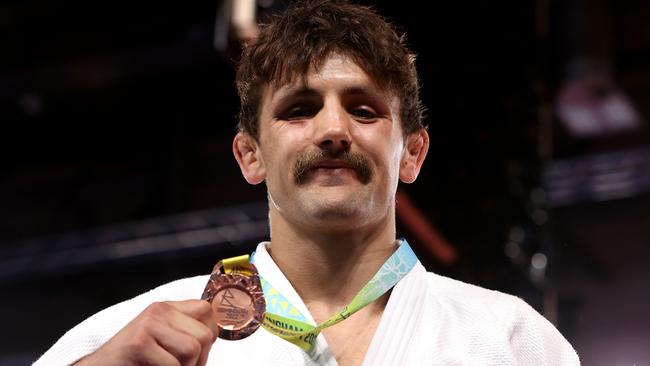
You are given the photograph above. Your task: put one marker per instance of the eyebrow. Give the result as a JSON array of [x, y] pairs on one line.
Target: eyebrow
[[364, 91], [302, 90], [294, 92]]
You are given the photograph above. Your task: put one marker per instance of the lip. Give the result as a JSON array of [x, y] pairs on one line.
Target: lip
[[332, 164]]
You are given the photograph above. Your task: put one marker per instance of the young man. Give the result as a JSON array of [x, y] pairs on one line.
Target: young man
[[330, 120]]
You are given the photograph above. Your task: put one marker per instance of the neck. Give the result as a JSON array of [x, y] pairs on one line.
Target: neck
[[328, 268]]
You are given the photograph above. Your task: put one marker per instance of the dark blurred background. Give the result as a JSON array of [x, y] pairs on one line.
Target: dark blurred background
[[117, 174]]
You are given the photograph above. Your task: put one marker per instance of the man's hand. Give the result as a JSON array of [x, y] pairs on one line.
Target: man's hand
[[165, 333]]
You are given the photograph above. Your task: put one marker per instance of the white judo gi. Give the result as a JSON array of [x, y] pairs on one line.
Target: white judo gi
[[428, 320]]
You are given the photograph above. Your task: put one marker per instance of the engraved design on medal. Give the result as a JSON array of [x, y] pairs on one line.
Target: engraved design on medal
[[237, 300], [233, 308]]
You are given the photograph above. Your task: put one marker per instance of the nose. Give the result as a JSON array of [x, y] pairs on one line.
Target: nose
[[332, 128]]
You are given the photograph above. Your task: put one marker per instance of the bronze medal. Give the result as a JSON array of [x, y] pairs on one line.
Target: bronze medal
[[236, 296]]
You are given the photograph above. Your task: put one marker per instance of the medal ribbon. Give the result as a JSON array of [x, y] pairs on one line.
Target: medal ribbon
[[239, 264], [285, 321]]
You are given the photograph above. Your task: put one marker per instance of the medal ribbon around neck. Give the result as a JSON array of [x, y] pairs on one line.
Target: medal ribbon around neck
[[287, 322]]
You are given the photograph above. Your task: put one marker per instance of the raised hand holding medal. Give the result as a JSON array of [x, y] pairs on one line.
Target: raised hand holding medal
[[237, 297]]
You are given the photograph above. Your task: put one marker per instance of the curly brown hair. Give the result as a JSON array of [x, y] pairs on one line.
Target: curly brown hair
[[304, 36]]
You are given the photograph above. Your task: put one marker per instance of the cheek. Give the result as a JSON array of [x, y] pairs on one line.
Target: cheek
[[384, 146], [394, 159], [280, 149], [387, 157], [273, 160]]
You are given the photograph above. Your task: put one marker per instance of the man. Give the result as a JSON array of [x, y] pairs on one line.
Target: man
[[330, 120]]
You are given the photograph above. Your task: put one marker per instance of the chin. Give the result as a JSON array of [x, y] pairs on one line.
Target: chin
[[335, 213], [337, 207], [346, 211]]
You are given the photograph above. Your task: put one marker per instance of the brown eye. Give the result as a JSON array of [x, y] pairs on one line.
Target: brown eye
[[299, 111], [364, 114]]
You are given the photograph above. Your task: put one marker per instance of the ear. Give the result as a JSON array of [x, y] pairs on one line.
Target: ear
[[415, 150], [247, 153]]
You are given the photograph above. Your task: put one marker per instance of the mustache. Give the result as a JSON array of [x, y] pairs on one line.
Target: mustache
[[310, 160]]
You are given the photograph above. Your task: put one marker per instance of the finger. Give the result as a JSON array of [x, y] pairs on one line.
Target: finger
[[203, 329], [184, 348], [195, 329], [159, 356], [200, 310], [193, 308]]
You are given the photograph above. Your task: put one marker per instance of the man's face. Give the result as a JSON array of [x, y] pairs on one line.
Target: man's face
[[331, 149]]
